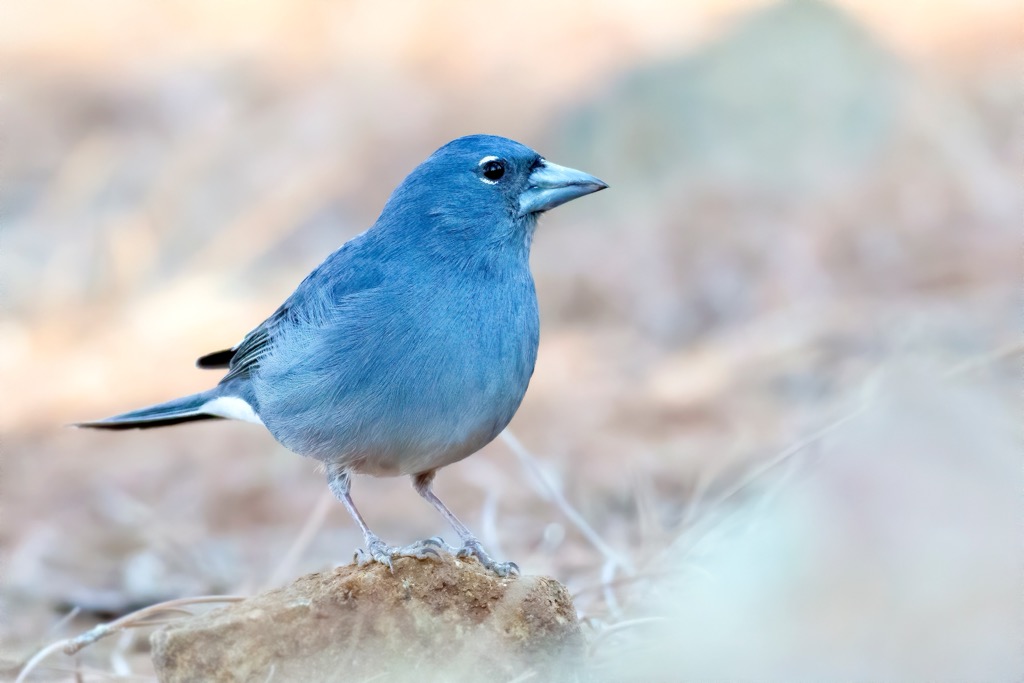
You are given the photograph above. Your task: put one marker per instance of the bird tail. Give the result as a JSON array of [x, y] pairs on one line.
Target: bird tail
[[184, 409]]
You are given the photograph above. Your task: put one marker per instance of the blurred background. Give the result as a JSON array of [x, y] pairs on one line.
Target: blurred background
[[778, 361]]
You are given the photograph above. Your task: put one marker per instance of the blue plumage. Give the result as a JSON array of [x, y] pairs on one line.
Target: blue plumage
[[411, 346]]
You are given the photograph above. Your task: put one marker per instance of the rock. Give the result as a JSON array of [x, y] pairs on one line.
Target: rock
[[440, 619]]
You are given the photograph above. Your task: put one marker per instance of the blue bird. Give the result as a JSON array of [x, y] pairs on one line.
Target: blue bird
[[411, 346]]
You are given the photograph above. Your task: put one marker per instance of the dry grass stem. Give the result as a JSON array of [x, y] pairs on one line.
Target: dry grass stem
[[314, 522], [554, 493], [137, 619]]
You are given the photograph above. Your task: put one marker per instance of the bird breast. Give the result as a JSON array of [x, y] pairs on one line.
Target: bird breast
[[404, 381]]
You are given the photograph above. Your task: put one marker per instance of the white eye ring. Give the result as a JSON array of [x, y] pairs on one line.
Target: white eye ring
[[487, 160]]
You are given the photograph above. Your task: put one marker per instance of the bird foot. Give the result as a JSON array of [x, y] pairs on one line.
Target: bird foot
[[379, 551], [376, 551], [429, 547], [472, 548]]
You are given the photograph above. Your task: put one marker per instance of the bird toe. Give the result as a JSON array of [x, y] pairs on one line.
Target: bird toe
[[472, 548]]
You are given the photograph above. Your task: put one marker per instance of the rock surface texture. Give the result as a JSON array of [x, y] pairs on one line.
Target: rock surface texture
[[441, 619]]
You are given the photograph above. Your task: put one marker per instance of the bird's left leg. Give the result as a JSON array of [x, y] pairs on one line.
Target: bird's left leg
[[470, 544]]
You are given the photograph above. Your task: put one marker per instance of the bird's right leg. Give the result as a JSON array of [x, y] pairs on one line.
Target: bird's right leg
[[339, 480]]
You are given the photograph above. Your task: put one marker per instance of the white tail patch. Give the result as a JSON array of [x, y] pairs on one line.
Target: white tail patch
[[232, 408]]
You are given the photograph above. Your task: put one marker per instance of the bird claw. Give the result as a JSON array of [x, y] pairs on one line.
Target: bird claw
[[376, 551], [427, 548], [379, 551], [440, 543], [472, 548]]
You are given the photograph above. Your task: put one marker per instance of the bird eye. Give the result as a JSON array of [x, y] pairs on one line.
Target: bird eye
[[492, 168]]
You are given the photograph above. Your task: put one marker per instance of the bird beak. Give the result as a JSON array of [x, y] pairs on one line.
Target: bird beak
[[551, 185]]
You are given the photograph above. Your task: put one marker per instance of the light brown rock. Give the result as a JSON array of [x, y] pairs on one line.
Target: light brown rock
[[439, 619]]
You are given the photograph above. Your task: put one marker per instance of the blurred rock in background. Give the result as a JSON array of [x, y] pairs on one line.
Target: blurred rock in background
[[795, 161]]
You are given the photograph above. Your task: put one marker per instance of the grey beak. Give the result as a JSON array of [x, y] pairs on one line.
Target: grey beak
[[552, 185]]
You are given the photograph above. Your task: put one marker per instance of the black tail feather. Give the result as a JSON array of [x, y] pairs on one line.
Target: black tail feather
[[145, 424], [185, 409], [215, 360]]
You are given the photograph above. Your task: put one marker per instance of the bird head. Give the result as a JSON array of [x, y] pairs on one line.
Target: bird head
[[486, 188]]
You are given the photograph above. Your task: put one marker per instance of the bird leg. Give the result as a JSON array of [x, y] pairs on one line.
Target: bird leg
[[470, 545], [339, 481]]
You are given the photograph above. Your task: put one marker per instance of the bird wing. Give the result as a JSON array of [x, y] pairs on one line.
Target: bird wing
[[246, 356], [343, 273]]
